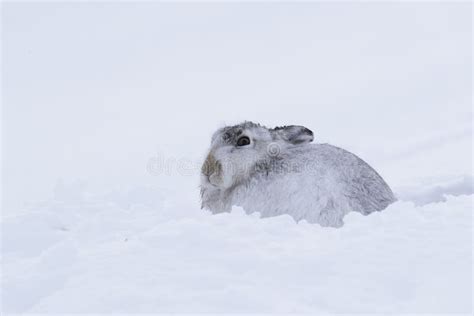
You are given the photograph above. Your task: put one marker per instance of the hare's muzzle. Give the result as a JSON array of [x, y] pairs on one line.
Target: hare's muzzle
[[212, 169]]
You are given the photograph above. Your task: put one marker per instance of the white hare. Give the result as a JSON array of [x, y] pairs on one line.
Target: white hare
[[278, 171]]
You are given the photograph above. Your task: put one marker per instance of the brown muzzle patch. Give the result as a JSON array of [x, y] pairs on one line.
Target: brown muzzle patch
[[211, 166]]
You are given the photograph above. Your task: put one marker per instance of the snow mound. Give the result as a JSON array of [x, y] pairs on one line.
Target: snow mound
[[79, 253]]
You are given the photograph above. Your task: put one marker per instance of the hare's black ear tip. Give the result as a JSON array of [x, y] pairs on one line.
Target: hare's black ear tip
[[295, 134], [305, 137], [308, 131]]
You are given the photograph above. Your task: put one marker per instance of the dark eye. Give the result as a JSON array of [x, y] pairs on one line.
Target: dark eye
[[243, 141]]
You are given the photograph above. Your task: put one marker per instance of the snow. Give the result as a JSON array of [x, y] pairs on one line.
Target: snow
[[96, 255], [105, 124]]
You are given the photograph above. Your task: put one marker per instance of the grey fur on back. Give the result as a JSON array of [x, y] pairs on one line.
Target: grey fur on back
[[319, 183]]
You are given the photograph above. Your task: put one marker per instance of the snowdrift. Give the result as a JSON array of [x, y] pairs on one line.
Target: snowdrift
[[139, 252]]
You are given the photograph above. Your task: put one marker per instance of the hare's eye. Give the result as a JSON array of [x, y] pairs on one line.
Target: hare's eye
[[243, 141]]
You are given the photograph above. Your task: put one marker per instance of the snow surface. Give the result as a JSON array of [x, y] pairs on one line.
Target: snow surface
[[96, 255]]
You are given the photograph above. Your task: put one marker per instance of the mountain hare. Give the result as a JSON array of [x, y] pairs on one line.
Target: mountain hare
[[278, 171]]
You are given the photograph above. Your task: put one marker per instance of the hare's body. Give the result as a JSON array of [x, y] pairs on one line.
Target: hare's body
[[319, 183], [332, 183]]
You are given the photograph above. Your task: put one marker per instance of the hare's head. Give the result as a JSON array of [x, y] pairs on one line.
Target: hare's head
[[237, 150]]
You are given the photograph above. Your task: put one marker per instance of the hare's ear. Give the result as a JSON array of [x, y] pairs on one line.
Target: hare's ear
[[295, 134]]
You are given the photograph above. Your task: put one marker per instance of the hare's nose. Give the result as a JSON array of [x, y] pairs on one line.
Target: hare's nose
[[210, 166]]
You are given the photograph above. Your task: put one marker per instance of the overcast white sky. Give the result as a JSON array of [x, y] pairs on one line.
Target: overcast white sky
[[92, 91]]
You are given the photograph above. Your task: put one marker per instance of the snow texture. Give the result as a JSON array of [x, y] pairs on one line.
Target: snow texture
[[97, 255]]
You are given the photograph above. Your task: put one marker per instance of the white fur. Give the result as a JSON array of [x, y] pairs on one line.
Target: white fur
[[316, 182]]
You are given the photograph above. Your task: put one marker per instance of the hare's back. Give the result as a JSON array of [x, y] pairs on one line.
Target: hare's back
[[358, 183]]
